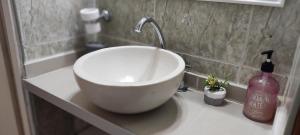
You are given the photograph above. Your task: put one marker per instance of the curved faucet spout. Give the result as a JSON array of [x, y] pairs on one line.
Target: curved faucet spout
[[138, 28]]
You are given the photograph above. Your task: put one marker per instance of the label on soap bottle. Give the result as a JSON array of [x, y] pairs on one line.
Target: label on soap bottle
[[259, 106]]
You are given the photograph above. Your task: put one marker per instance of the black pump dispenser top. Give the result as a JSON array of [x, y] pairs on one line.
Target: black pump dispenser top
[[267, 66]]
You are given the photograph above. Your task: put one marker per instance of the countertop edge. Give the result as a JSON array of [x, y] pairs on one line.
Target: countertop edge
[[77, 111]]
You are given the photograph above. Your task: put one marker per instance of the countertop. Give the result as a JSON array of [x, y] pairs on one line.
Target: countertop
[[184, 114]]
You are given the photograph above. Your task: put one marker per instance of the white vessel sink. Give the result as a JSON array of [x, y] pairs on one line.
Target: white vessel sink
[[129, 79]]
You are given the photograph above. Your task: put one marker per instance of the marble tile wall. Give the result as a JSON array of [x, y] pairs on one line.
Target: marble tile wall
[[48, 27], [219, 38]]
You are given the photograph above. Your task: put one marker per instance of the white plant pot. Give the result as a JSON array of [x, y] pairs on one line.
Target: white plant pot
[[215, 98]]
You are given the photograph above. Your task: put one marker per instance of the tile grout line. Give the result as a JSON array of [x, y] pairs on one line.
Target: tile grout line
[[61, 54], [256, 69], [208, 59], [244, 56], [199, 76], [121, 39]]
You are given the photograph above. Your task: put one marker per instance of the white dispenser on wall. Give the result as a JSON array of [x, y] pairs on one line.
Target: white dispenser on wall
[[91, 17]]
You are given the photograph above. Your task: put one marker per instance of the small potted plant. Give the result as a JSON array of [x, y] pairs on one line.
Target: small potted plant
[[215, 91]]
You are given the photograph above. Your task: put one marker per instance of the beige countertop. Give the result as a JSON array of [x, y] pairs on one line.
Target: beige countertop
[[185, 114]]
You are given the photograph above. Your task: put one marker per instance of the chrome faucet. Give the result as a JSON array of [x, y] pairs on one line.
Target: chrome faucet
[[138, 28]]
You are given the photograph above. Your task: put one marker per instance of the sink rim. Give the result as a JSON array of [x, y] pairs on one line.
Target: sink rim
[[77, 68]]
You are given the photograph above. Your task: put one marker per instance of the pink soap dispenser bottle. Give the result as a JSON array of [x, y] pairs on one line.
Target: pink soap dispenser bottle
[[261, 99]]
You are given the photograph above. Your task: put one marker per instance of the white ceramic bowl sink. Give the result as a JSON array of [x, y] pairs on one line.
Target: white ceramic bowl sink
[[129, 79]]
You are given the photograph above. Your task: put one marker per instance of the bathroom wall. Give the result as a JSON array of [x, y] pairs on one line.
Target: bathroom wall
[[219, 38], [48, 27]]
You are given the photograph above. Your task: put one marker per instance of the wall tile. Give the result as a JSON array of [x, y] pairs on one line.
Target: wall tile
[[274, 28], [44, 21], [39, 51], [190, 80], [112, 41], [205, 66], [247, 72], [207, 29], [125, 15], [236, 94]]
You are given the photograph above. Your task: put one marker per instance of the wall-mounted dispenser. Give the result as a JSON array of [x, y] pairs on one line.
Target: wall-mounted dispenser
[[91, 17]]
